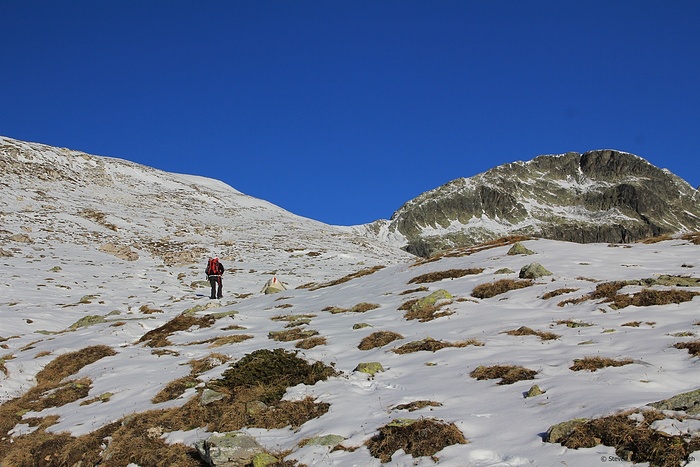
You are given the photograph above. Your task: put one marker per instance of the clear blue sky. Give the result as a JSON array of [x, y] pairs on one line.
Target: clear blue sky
[[341, 111]]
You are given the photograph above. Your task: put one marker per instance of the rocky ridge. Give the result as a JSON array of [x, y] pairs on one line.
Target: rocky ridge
[[599, 196]]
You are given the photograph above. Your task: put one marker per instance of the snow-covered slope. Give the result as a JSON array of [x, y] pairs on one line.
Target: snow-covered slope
[[60, 294]]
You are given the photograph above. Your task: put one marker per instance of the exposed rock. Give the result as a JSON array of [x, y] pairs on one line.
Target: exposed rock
[[326, 440], [533, 271], [233, 449], [558, 432], [431, 299], [688, 402], [519, 249], [534, 391], [210, 396], [599, 196], [371, 368]]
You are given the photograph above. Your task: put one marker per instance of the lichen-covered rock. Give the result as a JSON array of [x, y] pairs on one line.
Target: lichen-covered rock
[[232, 449], [371, 368], [534, 391], [519, 249], [431, 299], [326, 440], [688, 402], [533, 271], [558, 432]]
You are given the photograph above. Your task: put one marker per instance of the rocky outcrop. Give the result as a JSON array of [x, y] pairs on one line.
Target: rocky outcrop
[[600, 196]]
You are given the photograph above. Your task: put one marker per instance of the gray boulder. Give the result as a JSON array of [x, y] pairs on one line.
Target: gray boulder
[[533, 271], [232, 449]]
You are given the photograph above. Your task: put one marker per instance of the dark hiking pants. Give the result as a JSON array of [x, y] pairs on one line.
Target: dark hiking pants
[[215, 282]]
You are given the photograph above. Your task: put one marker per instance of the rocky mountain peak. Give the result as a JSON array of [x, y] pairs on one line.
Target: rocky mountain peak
[[597, 196]]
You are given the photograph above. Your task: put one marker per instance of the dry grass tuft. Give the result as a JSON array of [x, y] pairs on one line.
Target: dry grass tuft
[[556, 293], [693, 238], [293, 334], [693, 347], [349, 277], [72, 362], [175, 389], [431, 345], [608, 292], [634, 441], [159, 337], [596, 363], [657, 239], [526, 331], [423, 437], [274, 369], [359, 308], [498, 287], [573, 324], [416, 405], [378, 339], [419, 289], [470, 250], [440, 275], [509, 374], [311, 342]]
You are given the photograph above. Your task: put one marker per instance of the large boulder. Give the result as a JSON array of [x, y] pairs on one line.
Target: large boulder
[[232, 449]]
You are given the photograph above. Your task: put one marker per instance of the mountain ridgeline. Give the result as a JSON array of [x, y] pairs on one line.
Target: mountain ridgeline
[[599, 196]]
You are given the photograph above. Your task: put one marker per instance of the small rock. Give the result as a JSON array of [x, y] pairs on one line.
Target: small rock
[[519, 249], [533, 271], [371, 368]]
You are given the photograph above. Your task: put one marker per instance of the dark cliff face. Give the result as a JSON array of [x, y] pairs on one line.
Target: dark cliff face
[[599, 196]]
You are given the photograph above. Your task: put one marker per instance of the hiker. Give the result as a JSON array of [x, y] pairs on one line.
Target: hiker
[[214, 271]]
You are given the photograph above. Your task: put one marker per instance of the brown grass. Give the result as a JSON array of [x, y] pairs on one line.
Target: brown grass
[[410, 291], [175, 389], [349, 277], [416, 405], [431, 345], [498, 287], [634, 441], [573, 324], [509, 374], [440, 275], [693, 347], [556, 293], [596, 363], [359, 308], [378, 339], [310, 342], [470, 250], [608, 292], [693, 238], [526, 331], [262, 376], [293, 334], [72, 362], [423, 437], [159, 337]]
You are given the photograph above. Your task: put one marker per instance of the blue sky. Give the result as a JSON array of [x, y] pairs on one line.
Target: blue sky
[[341, 111]]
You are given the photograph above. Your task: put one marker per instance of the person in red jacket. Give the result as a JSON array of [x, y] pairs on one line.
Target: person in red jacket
[[214, 272]]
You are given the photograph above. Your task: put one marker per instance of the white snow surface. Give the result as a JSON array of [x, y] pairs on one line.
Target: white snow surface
[[45, 284]]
